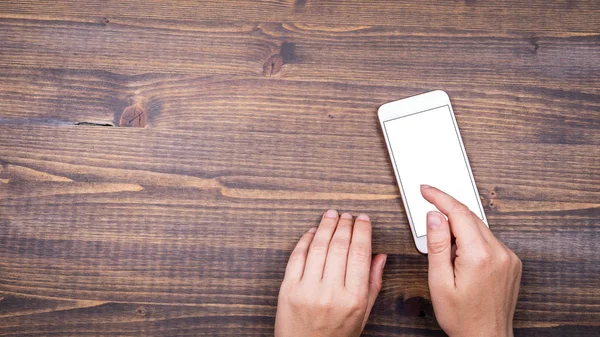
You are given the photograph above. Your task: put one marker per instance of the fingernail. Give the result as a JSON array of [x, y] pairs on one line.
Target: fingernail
[[363, 217], [346, 216], [313, 230], [332, 214], [425, 186], [384, 261], [433, 219]]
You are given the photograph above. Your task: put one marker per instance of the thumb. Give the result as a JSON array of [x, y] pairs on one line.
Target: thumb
[[375, 279], [441, 271]]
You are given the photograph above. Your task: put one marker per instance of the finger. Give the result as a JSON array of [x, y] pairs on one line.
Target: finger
[[375, 282], [462, 222], [481, 226], [295, 265], [317, 252], [337, 256], [359, 256], [439, 252]]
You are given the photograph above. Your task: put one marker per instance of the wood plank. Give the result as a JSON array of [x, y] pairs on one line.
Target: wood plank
[[206, 156], [394, 56], [516, 113], [129, 319], [512, 15]]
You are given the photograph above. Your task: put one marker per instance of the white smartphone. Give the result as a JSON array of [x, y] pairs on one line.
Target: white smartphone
[[425, 147]]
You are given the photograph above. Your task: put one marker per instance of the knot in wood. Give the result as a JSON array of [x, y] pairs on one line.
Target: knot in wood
[[273, 65], [134, 116], [141, 311]]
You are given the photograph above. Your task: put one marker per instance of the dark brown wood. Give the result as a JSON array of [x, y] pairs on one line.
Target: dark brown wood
[[250, 118]]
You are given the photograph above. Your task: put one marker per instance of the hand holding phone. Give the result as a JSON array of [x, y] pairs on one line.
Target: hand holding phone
[[474, 283], [425, 147]]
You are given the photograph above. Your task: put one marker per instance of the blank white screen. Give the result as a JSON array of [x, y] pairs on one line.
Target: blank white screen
[[426, 150]]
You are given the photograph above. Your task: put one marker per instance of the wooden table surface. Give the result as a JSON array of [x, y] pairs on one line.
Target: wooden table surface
[[160, 159]]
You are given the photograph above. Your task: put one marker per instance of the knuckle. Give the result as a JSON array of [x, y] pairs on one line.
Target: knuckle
[[319, 246], [307, 237], [517, 262], [339, 244], [298, 255], [437, 246], [504, 258], [459, 208], [325, 303], [296, 299], [286, 293], [284, 290], [483, 258], [355, 304]]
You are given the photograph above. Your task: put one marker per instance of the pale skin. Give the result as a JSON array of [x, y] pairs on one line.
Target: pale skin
[[332, 280]]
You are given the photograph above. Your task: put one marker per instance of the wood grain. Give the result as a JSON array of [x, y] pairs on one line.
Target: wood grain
[[159, 161]]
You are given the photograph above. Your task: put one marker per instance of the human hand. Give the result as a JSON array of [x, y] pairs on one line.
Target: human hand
[[474, 283], [330, 282]]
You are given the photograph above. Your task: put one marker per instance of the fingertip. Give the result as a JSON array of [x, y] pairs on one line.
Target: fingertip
[[312, 230], [331, 214], [384, 261], [435, 220], [346, 216], [363, 217], [426, 191], [427, 188], [438, 233]]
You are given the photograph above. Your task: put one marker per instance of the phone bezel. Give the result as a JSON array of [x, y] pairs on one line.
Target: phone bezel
[[409, 106]]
